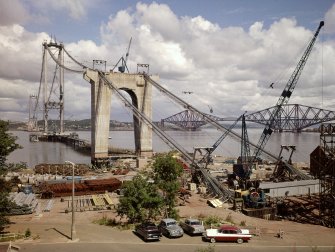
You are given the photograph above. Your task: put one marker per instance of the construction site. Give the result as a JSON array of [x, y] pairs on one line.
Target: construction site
[[271, 188]]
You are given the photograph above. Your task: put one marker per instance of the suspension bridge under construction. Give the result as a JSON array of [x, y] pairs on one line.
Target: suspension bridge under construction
[[139, 85]]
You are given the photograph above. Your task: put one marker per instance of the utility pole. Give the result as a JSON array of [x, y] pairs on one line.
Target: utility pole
[[73, 230]]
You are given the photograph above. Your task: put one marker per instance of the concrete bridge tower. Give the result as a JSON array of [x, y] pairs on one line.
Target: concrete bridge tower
[[141, 96]]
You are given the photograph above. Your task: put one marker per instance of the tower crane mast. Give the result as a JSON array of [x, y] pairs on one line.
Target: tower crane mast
[[285, 96]]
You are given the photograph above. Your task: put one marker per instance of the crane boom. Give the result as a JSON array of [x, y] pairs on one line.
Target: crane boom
[[127, 54], [285, 96], [218, 142]]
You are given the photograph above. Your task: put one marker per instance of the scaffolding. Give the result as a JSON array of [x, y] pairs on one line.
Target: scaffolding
[[32, 123], [326, 174]]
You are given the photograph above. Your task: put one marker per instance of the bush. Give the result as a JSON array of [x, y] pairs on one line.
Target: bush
[[212, 221], [27, 233], [243, 223], [106, 222], [112, 222], [229, 219]]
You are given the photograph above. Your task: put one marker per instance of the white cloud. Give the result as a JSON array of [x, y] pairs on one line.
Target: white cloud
[[330, 20], [160, 18], [21, 53], [227, 68]]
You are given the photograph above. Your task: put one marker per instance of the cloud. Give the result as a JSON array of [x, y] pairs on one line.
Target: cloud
[[76, 9], [330, 20], [227, 68], [13, 12], [21, 53]]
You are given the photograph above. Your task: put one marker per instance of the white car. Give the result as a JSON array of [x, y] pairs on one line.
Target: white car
[[227, 233]]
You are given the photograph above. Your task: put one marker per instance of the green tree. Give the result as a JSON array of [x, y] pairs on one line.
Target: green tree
[[4, 206], [7, 144], [141, 200], [166, 171], [5, 186]]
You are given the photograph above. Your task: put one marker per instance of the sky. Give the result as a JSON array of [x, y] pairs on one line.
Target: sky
[[223, 53]]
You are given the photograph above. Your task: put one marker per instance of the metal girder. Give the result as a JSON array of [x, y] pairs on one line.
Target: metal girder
[[292, 117], [188, 120]]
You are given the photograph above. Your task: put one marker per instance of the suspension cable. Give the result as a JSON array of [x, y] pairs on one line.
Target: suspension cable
[[80, 64], [39, 88], [210, 181], [60, 64], [205, 117]]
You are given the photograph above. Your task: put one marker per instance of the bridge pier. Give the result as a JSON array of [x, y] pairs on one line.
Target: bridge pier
[[141, 96]]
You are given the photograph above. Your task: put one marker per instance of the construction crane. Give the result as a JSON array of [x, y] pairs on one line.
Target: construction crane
[[123, 61], [209, 150], [283, 99], [245, 147]]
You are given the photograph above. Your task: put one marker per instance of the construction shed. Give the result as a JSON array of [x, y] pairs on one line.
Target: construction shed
[[290, 188]]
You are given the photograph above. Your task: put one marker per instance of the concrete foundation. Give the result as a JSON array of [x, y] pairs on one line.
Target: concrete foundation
[[141, 96]]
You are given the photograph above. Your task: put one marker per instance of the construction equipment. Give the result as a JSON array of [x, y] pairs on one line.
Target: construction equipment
[[209, 150], [283, 99], [245, 148], [280, 173], [123, 61], [245, 159]]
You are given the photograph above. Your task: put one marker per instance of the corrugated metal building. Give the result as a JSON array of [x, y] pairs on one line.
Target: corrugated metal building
[[290, 188]]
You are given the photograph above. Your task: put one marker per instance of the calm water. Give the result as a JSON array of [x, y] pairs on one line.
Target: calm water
[[43, 152]]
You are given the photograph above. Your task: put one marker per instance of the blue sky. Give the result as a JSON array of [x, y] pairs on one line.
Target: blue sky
[[225, 52], [242, 13]]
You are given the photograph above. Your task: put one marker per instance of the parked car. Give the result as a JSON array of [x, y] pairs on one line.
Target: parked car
[[227, 233], [170, 228], [192, 227], [148, 231]]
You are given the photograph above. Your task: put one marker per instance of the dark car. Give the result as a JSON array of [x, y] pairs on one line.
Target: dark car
[[148, 231], [170, 228]]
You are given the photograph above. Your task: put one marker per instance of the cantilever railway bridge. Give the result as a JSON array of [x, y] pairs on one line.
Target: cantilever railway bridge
[[291, 118]]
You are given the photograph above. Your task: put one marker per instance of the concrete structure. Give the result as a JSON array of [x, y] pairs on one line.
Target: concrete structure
[[141, 96]]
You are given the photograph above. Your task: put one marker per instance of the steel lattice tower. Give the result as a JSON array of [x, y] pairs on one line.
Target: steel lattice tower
[[32, 123], [53, 90], [327, 176]]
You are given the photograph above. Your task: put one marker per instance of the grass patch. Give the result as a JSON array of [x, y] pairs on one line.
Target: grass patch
[[212, 221], [11, 237], [104, 221], [112, 222], [210, 248]]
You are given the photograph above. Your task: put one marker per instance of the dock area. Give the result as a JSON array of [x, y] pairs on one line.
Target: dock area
[[71, 139], [80, 145]]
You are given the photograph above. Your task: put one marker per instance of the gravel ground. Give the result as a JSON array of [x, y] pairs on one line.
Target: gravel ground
[[54, 226]]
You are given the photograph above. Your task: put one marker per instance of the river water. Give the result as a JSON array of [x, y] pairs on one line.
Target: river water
[[34, 153]]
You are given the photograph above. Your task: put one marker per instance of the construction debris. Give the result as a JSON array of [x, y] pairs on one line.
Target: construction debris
[[61, 169], [84, 187]]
